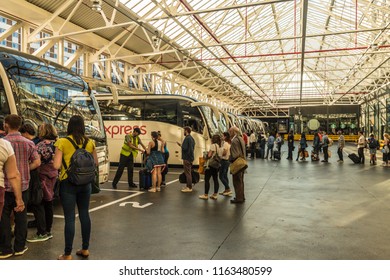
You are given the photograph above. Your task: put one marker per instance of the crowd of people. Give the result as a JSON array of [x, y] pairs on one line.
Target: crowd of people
[[28, 160], [270, 148], [225, 149]]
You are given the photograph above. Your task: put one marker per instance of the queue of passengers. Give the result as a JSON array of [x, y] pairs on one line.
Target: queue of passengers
[[27, 161], [270, 148]]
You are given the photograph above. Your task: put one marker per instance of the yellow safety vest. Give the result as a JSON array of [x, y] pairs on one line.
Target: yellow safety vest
[[126, 149]]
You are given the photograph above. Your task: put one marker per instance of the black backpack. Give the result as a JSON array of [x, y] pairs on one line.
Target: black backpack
[[373, 144], [82, 169]]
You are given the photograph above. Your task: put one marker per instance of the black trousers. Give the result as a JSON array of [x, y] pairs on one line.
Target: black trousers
[[20, 224], [125, 161], [361, 155], [340, 153], [290, 152], [326, 155], [212, 172]]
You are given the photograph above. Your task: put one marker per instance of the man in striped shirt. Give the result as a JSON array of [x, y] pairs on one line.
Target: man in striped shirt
[[27, 159]]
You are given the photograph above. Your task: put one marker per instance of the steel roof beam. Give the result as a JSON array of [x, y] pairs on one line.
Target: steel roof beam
[[219, 9]]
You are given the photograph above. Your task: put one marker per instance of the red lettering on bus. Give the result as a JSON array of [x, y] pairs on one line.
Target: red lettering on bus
[[123, 129]]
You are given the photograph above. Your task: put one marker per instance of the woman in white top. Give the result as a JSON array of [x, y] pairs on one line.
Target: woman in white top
[[8, 165], [211, 171], [361, 146], [225, 163]]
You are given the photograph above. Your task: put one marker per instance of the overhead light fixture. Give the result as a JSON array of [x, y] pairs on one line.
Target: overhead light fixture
[[96, 5], [374, 46]]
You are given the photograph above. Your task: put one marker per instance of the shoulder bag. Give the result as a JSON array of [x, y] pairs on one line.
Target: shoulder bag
[[239, 164], [215, 160]]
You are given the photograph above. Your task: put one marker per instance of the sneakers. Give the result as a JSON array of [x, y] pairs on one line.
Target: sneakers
[[5, 255], [38, 238], [226, 192], [20, 253], [152, 190], [214, 196], [186, 189], [204, 197], [49, 235]]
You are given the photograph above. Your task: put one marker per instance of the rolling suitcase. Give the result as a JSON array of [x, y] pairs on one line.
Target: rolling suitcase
[[276, 155], [314, 156], [354, 158], [145, 179], [257, 153]]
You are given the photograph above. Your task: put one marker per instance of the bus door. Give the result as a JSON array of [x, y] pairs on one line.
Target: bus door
[[191, 116]]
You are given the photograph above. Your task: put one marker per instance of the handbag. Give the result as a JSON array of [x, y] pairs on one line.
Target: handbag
[[202, 162], [195, 177], [95, 186], [215, 160]]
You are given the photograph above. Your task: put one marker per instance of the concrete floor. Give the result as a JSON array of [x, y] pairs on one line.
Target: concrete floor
[[293, 210]]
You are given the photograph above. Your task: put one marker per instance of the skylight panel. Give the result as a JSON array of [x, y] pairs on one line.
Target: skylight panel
[[139, 7]]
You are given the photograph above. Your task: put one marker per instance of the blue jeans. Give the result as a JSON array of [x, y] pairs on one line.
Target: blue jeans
[[70, 196], [223, 173]]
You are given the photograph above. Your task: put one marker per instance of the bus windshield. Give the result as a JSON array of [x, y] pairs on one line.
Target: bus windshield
[[211, 119], [44, 93]]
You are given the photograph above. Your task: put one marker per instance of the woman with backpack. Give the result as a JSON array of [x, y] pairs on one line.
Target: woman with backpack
[[373, 145], [214, 163], [302, 147], [47, 175], [72, 193]]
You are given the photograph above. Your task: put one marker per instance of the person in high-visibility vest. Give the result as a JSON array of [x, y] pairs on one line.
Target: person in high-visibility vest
[[129, 152]]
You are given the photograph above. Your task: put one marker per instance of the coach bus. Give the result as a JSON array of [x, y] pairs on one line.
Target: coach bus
[[42, 91], [155, 112]]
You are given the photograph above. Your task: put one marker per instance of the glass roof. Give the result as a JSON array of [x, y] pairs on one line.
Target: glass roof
[[277, 53]]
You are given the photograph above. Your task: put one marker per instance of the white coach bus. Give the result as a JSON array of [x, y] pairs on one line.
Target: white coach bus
[[42, 91], [154, 112]]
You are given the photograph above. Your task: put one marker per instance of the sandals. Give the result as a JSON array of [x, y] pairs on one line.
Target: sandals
[[83, 253]]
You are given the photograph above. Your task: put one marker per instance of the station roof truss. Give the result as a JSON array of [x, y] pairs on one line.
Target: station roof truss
[[254, 56]]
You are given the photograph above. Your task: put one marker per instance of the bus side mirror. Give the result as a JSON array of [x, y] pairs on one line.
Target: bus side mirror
[[205, 134]]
